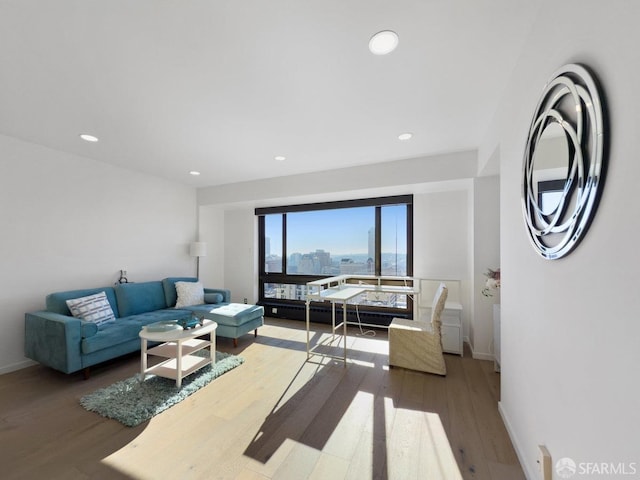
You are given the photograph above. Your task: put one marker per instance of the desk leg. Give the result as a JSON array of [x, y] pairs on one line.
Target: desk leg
[[333, 322], [307, 317], [344, 330]]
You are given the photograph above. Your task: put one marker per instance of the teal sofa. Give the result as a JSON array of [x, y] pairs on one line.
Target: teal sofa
[[53, 337]]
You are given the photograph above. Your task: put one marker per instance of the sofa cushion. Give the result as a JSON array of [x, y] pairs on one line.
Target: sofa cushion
[[88, 329], [213, 298], [169, 285], [189, 293], [136, 298], [231, 314], [236, 331], [127, 329], [57, 302], [92, 308], [108, 337]]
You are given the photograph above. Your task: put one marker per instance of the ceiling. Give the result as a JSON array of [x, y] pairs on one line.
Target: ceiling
[[222, 87]]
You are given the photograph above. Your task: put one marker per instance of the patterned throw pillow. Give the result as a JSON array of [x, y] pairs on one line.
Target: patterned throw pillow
[[189, 293], [94, 308]]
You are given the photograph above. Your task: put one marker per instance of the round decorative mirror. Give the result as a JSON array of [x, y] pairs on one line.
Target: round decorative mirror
[[564, 164]]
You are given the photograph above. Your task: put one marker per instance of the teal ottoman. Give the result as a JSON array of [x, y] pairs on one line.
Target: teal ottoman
[[234, 319]]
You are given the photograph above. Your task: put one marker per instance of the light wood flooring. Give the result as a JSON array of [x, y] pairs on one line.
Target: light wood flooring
[[276, 416]]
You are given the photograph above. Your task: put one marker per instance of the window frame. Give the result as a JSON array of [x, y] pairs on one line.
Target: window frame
[[265, 277]]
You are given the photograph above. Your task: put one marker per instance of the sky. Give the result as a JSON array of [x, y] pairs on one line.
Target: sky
[[338, 231]]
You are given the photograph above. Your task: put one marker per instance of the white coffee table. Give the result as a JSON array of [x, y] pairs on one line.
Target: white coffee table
[[178, 348]]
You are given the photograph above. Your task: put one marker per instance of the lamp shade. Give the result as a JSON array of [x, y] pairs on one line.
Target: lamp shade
[[198, 249]]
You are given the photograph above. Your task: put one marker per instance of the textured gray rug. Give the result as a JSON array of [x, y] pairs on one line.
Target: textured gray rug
[[132, 402]]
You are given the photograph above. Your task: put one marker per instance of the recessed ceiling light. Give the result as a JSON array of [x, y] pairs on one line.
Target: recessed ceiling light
[[383, 42], [88, 138], [405, 136], [194, 173], [280, 158]]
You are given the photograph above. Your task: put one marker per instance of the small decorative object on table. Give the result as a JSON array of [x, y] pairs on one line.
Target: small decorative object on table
[[164, 326], [493, 282], [189, 323]]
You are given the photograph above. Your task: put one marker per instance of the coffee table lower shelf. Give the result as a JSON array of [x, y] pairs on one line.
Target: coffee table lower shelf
[[190, 363]]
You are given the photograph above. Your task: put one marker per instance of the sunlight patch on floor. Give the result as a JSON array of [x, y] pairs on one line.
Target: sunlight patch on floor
[[437, 453]]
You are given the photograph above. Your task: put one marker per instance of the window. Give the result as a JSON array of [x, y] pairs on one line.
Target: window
[[330, 242], [300, 243], [273, 243], [394, 240]]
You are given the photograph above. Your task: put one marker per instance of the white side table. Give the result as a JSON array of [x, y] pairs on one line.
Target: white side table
[[178, 348], [452, 328]]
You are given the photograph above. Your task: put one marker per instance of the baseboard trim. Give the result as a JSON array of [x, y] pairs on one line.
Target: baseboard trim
[[479, 355], [483, 356], [17, 366], [516, 444]]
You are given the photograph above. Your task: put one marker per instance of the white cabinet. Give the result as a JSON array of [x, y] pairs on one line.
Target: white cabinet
[[452, 328]]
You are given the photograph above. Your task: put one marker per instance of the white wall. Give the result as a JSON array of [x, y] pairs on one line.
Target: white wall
[[486, 254], [69, 222], [570, 329], [441, 233], [441, 229], [211, 230], [386, 175], [241, 266]]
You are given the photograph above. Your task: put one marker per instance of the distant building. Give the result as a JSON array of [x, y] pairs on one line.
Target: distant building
[[273, 264], [291, 292], [349, 267], [314, 263], [307, 265], [324, 260], [294, 262]]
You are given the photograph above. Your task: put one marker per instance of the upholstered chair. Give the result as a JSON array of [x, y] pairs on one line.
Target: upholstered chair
[[417, 344]]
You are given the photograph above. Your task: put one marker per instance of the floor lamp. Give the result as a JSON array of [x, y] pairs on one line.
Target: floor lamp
[[198, 249]]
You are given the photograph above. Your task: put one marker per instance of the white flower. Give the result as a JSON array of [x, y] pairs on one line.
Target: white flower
[[492, 283]]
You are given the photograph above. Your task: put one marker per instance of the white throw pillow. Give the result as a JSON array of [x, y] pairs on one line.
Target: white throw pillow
[[93, 308], [189, 293]]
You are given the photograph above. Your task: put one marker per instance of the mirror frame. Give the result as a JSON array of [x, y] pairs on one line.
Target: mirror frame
[[556, 234]]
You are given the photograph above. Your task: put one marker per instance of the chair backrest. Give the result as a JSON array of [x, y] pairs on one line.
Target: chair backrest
[[439, 300]]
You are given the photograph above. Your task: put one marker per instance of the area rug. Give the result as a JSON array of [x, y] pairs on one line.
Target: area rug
[[132, 402]]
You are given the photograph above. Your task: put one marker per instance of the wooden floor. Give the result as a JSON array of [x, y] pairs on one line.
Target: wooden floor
[[276, 416]]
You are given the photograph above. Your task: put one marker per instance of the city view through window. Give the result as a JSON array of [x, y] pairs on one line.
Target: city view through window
[[336, 242]]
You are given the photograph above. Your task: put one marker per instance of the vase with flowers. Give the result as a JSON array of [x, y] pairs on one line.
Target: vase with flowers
[[492, 284]]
